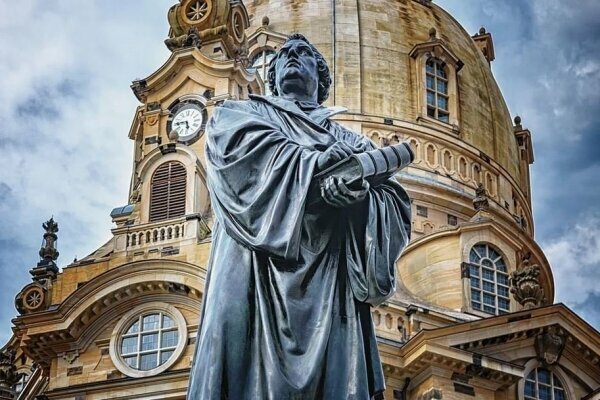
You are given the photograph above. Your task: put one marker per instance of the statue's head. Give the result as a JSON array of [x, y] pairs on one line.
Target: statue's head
[[299, 66]]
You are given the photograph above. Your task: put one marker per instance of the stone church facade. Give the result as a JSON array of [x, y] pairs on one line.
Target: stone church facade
[[473, 316]]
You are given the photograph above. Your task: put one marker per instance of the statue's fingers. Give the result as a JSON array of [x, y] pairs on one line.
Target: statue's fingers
[[334, 194], [344, 194], [329, 184], [333, 190], [325, 196]]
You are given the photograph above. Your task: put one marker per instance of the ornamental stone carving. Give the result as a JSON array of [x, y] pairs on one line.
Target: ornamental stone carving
[[481, 202], [33, 298], [8, 374], [189, 39], [549, 346], [194, 22], [525, 284]]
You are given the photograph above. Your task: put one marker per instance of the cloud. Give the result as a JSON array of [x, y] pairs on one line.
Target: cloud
[[548, 68], [576, 258], [65, 111]]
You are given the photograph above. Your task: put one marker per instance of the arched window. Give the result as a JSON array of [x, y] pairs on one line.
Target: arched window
[[167, 193], [489, 280], [437, 90], [542, 384], [260, 65], [20, 385]]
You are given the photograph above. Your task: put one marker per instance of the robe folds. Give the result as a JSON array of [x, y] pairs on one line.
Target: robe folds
[[286, 311]]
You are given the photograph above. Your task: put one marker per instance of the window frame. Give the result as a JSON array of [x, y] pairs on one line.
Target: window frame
[[127, 321], [555, 369], [21, 383], [537, 383], [468, 273], [263, 52], [141, 333], [439, 74], [437, 50]]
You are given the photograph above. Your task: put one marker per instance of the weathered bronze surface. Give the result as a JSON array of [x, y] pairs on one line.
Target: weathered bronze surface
[[286, 311]]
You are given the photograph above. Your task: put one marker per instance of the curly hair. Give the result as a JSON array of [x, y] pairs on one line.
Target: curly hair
[[322, 69]]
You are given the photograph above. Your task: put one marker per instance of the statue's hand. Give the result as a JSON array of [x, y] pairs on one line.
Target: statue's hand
[[337, 194], [336, 152]]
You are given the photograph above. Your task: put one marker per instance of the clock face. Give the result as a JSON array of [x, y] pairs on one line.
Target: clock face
[[187, 121]]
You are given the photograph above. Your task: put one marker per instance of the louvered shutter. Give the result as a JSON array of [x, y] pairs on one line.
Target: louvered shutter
[[167, 194]]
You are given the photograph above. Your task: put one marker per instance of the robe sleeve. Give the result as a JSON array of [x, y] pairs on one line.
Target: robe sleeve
[[377, 231], [259, 179]]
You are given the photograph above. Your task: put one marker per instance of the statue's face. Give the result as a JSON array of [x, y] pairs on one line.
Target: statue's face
[[296, 69]]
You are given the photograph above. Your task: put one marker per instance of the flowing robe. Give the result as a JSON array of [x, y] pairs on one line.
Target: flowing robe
[[286, 311]]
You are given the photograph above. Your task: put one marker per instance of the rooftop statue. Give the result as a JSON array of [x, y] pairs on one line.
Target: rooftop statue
[[300, 252]]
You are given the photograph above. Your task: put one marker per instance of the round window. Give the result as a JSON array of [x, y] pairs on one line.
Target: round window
[[148, 340]]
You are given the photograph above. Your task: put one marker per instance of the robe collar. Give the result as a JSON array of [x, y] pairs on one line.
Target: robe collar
[[315, 117]]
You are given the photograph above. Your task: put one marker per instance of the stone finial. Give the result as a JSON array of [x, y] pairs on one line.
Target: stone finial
[[517, 120], [48, 253], [549, 345], [265, 21], [481, 202], [518, 127], [8, 374], [525, 284], [432, 34], [482, 31]]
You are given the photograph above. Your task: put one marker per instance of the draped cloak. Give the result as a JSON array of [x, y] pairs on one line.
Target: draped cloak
[[286, 311]]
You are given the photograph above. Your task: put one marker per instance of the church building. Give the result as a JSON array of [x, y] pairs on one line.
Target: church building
[[474, 314]]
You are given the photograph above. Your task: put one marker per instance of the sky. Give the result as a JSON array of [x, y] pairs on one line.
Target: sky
[[66, 108]]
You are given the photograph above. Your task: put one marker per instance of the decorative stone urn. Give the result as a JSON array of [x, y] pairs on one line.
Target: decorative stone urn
[[525, 284]]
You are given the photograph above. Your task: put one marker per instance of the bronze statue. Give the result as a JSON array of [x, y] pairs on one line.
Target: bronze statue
[[287, 306]]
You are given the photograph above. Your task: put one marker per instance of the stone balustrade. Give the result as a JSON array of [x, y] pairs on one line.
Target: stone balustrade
[[163, 234], [155, 234]]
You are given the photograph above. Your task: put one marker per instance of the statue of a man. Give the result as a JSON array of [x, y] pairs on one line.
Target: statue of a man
[[287, 306]]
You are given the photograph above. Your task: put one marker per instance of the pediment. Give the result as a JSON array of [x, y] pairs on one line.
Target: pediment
[[263, 36], [552, 335], [438, 49]]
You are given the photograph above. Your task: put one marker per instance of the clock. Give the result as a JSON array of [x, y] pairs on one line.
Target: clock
[[188, 119]]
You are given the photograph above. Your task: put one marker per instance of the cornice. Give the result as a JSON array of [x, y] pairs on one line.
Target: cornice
[[472, 334]]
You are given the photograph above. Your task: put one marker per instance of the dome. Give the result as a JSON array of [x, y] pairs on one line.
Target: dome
[[391, 62], [373, 70]]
